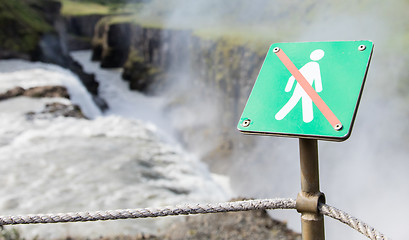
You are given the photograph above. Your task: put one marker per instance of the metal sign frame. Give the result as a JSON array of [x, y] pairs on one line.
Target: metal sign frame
[[345, 64]]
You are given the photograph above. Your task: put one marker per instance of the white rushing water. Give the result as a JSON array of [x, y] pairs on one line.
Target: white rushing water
[[112, 161]]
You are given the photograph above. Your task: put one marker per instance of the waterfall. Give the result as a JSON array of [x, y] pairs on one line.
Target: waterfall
[[112, 160]]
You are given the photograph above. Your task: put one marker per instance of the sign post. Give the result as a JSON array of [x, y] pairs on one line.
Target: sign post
[[312, 222], [308, 90]]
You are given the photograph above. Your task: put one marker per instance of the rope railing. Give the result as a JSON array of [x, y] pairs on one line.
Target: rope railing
[[188, 209], [351, 221]]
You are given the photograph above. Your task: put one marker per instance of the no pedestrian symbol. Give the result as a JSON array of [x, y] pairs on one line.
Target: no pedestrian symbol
[[308, 89]]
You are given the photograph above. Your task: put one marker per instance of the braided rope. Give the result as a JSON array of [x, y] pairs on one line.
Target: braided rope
[[187, 209], [351, 221], [150, 212]]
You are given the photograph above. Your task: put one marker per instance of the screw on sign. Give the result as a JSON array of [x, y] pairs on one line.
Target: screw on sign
[[309, 90]]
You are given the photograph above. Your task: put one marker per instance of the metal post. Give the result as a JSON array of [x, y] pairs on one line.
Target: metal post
[[312, 222]]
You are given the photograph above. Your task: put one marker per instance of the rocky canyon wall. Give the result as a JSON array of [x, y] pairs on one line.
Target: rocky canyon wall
[[152, 57], [210, 78]]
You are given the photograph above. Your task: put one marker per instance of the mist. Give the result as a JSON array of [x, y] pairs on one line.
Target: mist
[[361, 176]]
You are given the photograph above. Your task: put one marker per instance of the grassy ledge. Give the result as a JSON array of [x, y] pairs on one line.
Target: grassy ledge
[[75, 8]]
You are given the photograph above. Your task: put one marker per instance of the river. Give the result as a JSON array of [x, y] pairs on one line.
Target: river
[[116, 159]]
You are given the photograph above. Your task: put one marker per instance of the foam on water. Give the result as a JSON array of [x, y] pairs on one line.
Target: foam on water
[[68, 164], [120, 99]]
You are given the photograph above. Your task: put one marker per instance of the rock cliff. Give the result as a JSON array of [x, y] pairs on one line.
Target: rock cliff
[[217, 74], [149, 51], [80, 30]]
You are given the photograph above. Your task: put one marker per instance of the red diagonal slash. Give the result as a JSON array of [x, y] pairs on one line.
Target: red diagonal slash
[[322, 106]]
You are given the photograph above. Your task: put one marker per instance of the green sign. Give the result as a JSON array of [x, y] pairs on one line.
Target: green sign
[[308, 90]]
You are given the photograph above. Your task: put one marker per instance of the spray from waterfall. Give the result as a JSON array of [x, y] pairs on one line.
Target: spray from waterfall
[[353, 173]]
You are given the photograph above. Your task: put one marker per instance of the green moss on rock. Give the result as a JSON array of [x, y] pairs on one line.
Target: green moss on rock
[[140, 74], [21, 26]]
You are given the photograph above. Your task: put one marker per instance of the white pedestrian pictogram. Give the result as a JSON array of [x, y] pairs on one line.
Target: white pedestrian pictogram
[[311, 72]]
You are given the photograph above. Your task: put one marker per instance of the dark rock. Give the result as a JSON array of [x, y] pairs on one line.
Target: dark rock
[[76, 43], [47, 91], [255, 225], [153, 52], [140, 75], [98, 39], [100, 102], [111, 43], [9, 54], [87, 79], [36, 92], [83, 26], [50, 50], [116, 52], [138, 50], [97, 52], [80, 30], [90, 84], [53, 110], [49, 8], [15, 92]]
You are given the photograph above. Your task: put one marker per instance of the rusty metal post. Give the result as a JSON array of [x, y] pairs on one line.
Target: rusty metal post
[[312, 222]]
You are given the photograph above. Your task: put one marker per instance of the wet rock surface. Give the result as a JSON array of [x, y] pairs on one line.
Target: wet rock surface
[[118, 42], [141, 76], [53, 110], [80, 30], [47, 91], [254, 225], [241, 225], [36, 92]]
